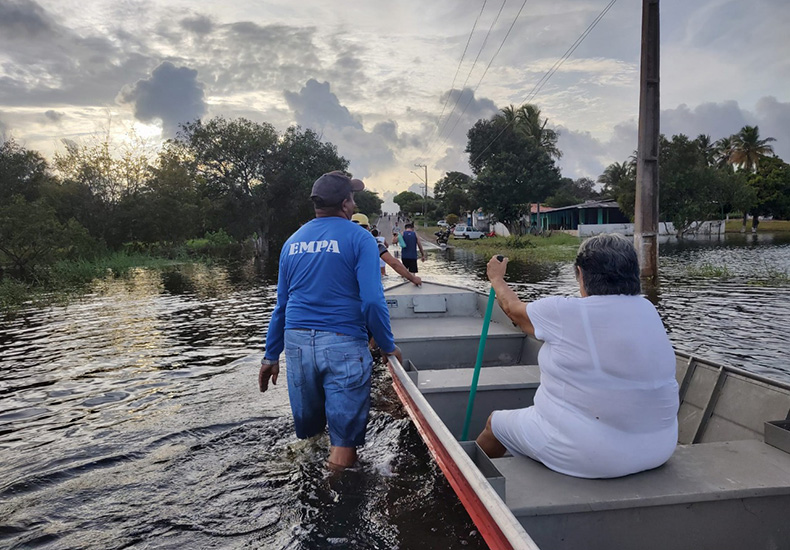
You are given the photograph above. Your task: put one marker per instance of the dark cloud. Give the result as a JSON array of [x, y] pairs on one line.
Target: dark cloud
[[317, 108], [54, 116], [23, 18], [172, 94], [199, 24]]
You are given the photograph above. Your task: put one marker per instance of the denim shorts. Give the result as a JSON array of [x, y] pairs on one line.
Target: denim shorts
[[329, 377]]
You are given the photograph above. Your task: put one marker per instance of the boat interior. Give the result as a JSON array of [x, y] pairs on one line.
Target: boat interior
[[726, 486]]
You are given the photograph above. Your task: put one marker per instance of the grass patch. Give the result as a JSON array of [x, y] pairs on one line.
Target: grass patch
[[559, 247], [708, 271], [768, 226]]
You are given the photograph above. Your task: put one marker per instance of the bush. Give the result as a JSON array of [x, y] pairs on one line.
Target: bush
[[452, 219]]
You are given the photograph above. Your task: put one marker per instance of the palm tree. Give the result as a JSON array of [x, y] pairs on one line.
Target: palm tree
[[706, 148], [526, 122], [747, 150], [614, 176], [724, 148]]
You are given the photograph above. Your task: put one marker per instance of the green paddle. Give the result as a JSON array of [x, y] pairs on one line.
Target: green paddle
[[479, 363]]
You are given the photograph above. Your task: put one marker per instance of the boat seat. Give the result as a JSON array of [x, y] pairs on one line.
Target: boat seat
[[491, 378], [695, 473], [410, 329]]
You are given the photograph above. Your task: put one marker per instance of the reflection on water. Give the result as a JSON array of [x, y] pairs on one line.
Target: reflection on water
[[131, 418]]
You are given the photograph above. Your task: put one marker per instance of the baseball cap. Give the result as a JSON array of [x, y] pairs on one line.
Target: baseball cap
[[361, 219], [332, 188]]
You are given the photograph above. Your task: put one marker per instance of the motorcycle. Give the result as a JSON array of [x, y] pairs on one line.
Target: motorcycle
[[442, 237]]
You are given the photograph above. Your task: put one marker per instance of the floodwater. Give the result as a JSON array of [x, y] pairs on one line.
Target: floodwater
[[130, 418]]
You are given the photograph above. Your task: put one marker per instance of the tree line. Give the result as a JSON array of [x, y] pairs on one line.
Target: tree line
[[236, 178], [513, 159]]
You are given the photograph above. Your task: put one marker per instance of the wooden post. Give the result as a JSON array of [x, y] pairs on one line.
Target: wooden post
[[646, 208]]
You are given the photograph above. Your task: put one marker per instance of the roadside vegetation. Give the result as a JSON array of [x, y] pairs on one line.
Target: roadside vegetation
[[768, 226], [559, 247]]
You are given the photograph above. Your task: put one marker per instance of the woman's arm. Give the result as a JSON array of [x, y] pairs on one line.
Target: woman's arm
[[510, 303]]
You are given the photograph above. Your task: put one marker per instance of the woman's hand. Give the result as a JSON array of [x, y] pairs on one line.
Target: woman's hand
[[496, 268]]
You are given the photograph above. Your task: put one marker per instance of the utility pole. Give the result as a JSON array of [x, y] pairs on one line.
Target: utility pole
[[424, 196], [646, 208]]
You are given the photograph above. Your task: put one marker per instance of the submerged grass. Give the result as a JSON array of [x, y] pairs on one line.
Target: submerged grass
[[767, 226], [708, 271], [67, 277], [559, 247]]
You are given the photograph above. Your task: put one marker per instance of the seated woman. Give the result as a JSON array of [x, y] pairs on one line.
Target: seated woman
[[607, 402]]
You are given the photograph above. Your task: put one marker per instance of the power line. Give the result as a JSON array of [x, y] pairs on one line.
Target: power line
[[479, 52], [542, 82], [469, 101], [463, 55]]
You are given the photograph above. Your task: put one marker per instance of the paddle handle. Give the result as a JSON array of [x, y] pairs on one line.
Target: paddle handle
[[479, 362]]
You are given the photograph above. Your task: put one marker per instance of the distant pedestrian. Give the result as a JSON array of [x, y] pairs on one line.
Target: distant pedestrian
[[409, 252]]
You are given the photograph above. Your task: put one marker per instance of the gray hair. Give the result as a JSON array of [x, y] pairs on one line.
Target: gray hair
[[609, 264]]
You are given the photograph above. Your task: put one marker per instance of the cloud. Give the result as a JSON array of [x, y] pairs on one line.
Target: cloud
[[198, 24], [317, 108], [4, 132], [172, 94], [54, 116], [587, 156], [22, 19]]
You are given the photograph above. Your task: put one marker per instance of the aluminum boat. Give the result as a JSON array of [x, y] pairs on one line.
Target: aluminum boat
[[727, 486]]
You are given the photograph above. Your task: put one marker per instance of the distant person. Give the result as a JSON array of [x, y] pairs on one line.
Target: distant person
[[385, 255], [382, 242], [607, 403], [328, 292], [409, 252]]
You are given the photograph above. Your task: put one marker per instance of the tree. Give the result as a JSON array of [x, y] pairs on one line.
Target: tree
[[232, 155], [512, 170], [619, 183], [453, 192], [691, 189], [771, 185], [409, 202], [707, 149], [31, 235], [573, 192], [368, 202], [22, 172], [747, 152]]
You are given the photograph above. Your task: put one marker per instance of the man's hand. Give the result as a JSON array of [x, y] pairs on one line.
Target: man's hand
[[266, 372], [416, 280], [397, 354], [496, 268], [423, 256]]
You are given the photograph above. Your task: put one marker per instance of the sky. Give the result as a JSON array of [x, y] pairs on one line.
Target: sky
[[391, 84]]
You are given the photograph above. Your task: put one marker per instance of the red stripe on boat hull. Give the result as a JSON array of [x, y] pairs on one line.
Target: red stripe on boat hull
[[480, 515]]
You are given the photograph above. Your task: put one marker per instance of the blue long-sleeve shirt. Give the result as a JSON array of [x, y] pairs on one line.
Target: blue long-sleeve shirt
[[330, 280]]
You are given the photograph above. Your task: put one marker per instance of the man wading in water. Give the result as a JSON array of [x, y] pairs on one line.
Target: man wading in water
[[328, 291]]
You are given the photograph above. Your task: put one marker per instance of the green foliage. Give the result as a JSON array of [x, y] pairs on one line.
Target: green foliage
[[691, 189], [619, 183], [22, 172], [453, 193], [709, 271], [368, 202], [771, 188], [573, 192], [512, 166], [559, 247], [451, 219], [13, 294], [409, 202]]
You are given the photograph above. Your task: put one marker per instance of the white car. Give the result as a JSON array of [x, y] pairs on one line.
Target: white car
[[442, 223], [467, 232]]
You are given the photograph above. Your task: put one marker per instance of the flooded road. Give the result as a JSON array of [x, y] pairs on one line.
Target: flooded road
[[131, 417]]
